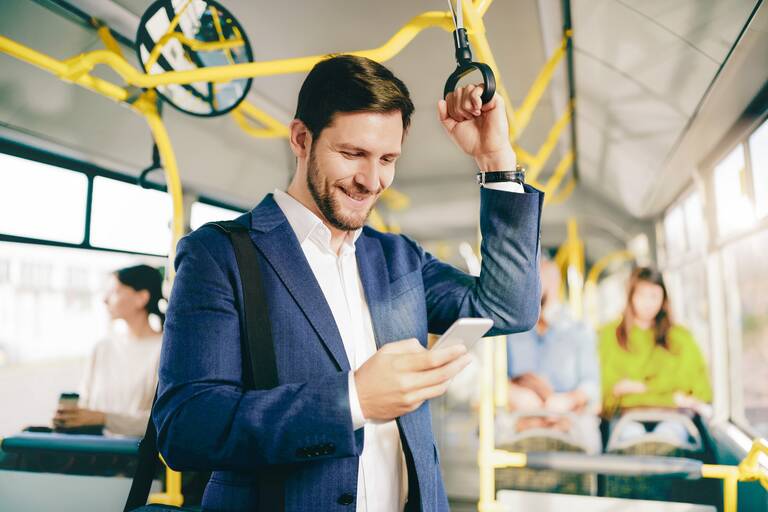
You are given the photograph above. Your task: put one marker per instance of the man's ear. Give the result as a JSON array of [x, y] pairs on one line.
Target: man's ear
[[300, 138]]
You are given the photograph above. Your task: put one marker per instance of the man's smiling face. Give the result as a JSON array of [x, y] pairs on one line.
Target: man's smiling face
[[352, 163]]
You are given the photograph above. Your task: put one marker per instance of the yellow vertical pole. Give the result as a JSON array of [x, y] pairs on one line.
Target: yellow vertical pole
[[730, 493], [500, 371], [146, 104], [575, 268], [487, 443]]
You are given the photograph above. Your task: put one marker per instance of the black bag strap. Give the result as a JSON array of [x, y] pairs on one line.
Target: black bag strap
[[259, 371]]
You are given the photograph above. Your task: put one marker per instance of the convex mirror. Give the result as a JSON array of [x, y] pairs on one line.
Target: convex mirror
[[183, 35]]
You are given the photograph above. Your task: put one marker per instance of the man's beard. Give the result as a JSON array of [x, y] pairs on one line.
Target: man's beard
[[329, 206]]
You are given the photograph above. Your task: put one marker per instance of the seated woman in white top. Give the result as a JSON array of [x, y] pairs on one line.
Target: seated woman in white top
[[120, 379]]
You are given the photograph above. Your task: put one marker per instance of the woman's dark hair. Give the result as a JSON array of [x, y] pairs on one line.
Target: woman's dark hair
[[144, 277], [662, 321], [347, 83]]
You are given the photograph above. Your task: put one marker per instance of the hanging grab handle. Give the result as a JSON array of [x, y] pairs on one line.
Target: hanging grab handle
[[465, 65]]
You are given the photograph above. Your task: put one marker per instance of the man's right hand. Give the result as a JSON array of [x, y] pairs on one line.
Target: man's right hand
[[401, 375]]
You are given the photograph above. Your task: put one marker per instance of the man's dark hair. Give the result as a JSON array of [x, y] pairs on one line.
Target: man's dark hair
[[347, 83]]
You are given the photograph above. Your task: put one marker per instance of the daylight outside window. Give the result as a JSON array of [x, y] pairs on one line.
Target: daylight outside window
[[735, 211], [41, 201], [203, 212], [758, 152], [129, 218]]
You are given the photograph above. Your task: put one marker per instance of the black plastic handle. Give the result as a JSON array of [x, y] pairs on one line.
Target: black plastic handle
[[465, 66], [489, 80]]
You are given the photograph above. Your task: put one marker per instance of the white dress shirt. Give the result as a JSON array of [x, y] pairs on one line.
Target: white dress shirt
[[382, 480], [382, 476]]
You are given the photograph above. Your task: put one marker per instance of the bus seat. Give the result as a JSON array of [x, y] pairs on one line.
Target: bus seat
[[541, 439], [652, 443], [616, 443]]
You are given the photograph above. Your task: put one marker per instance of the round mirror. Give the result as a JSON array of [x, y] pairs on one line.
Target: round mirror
[[182, 35]]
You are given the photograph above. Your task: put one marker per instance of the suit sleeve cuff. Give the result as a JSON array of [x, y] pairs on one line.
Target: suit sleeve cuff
[[507, 186], [358, 420]]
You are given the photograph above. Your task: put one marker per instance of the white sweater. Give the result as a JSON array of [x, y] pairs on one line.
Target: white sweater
[[120, 381]]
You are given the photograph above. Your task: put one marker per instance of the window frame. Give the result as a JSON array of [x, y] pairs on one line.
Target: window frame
[[721, 317], [91, 171]]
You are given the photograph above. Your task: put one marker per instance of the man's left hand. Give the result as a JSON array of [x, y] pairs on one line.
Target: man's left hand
[[480, 130]]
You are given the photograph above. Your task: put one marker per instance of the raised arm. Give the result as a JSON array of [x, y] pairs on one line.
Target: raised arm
[[508, 288]]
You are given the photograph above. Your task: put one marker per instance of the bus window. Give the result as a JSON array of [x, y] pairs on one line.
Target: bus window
[[758, 152], [747, 271], [129, 218], [674, 231], [696, 229], [734, 207], [41, 201], [203, 212]]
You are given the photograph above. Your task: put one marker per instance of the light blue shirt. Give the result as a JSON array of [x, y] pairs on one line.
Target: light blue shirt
[[565, 355]]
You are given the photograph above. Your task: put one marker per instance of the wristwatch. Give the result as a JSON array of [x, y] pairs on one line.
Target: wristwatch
[[518, 176]]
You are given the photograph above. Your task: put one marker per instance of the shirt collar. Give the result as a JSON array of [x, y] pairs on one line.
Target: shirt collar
[[308, 225]]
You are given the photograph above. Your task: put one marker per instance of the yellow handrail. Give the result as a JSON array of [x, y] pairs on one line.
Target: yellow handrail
[[172, 494], [590, 286]]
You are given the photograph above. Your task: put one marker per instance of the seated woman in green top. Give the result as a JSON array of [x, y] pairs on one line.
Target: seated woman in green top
[[646, 360]]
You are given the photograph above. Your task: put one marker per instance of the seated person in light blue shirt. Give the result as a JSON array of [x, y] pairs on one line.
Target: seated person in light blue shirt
[[553, 368]]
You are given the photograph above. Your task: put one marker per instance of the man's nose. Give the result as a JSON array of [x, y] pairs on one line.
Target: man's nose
[[369, 176]]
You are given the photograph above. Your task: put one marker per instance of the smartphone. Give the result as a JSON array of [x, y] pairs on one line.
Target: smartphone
[[464, 330]]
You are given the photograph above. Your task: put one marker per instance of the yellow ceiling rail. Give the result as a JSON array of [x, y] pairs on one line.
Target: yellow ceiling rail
[[543, 79], [591, 300], [106, 36], [557, 177], [59, 68], [538, 161], [565, 193], [272, 127], [198, 46], [482, 6], [87, 61]]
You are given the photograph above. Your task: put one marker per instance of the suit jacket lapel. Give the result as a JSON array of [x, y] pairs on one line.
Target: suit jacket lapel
[[375, 278], [275, 239]]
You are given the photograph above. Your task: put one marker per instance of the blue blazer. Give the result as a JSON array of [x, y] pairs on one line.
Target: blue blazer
[[207, 421]]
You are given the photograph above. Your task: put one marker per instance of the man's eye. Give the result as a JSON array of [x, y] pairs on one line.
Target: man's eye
[[350, 154]]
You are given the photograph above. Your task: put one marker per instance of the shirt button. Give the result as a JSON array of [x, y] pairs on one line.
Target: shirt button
[[346, 499]]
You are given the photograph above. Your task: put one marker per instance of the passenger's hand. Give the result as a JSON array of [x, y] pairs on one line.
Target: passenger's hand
[[628, 387], [521, 398], [535, 382], [69, 418], [560, 402], [481, 131], [401, 375]]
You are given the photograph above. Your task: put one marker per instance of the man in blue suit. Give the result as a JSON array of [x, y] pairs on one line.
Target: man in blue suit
[[348, 426]]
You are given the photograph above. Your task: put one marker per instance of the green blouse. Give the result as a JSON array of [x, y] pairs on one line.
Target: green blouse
[[664, 372]]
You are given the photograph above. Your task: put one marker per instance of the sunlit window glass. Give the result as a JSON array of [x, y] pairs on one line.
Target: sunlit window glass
[[747, 268], [202, 213], [674, 232], [734, 208], [694, 222], [758, 152], [41, 201], [692, 304], [128, 217]]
